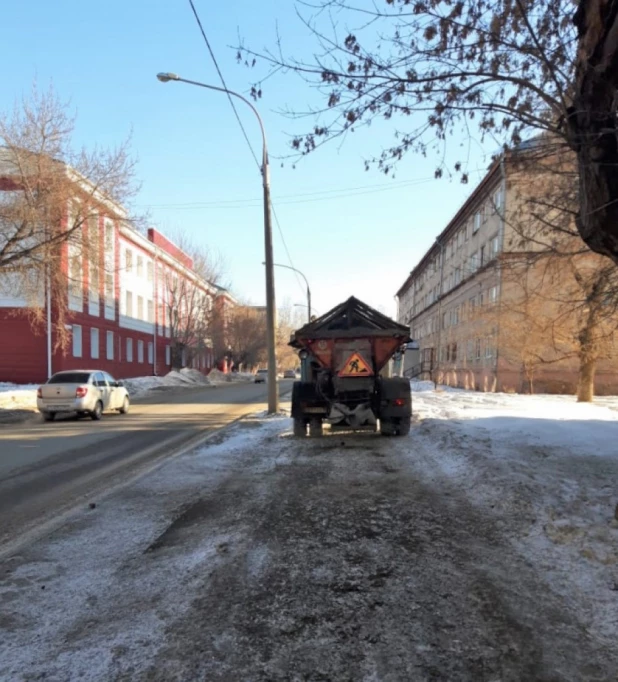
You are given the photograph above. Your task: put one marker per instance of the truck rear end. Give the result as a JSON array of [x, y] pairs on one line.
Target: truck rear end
[[343, 356]]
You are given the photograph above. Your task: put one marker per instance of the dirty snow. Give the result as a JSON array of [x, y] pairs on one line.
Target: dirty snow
[[481, 547], [546, 462]]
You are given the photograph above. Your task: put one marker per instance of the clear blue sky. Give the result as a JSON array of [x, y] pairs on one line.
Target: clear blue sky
[[104, 58]]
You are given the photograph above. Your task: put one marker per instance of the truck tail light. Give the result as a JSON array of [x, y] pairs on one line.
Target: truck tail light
[[399, 402], [81, 391], [39, 393]]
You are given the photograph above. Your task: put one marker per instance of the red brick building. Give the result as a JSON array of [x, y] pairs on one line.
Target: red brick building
[[118, 315]]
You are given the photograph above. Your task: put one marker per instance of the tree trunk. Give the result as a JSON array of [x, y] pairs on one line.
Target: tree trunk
[[177, 356], [592, 127], [585, 385]]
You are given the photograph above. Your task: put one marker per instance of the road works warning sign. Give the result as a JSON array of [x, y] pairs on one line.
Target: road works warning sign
[[355, 366]]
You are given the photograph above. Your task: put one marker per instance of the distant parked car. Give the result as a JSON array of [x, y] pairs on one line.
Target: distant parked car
[[289, 374], [261, 376], [87, 392]]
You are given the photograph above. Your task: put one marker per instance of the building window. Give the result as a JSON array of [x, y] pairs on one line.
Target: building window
[[478, 219], [483, 256], [94, 343], [110, 345], [75, 279], [128, 303], [150, 352], [494, 247], [470, 346], [129, 350], [168, 355], [498, 200], [150, 311], [488, 349], [444, 320], [110, 307], [128, 260], [455, 317], [77, 341], [474, 262], [457, 276], [478, 349], [140, 266], [493, 294], [140, 307], [150, 271], [140, 351]]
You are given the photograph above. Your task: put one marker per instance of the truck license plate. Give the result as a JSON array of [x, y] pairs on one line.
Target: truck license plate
[[315, 410]]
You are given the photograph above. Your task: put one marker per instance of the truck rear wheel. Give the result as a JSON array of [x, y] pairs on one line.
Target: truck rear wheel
[[300, 428], [387, 428], [403, 428], [315, 428]]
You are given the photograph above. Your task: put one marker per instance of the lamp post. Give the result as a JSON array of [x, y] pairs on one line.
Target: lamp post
[[289, 267], [273, 391], [304, 305]]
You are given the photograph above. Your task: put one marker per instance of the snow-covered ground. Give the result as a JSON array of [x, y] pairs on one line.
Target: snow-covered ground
[[481, 547], [543, 463], [14, 397]]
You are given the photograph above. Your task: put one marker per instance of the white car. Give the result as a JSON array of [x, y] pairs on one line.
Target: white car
[[260, 376], [87, 392]]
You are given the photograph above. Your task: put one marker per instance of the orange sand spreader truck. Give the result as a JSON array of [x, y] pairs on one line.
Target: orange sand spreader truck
[[344, 381]]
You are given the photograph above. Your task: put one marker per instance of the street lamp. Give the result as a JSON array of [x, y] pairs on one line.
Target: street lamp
[[304, 305], [289, 267], [273, 392]]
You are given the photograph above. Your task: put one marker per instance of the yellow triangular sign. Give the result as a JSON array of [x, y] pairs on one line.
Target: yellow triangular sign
[[355, 366]]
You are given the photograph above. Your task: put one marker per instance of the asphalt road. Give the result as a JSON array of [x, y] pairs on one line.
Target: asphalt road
[[46, 469]]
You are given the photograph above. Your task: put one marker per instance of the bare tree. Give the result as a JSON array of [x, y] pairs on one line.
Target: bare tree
[[51, 199], [560, 299], [505, 69], [247, 336], [191, 311]]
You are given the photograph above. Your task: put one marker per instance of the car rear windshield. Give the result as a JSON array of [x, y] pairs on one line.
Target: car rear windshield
[[70, 378], [262, 371]]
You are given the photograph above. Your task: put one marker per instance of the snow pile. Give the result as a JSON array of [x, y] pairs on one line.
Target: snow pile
[[138, 386], [18, 397], [544, 468]]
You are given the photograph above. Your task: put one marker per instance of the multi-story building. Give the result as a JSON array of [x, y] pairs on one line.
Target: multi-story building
[[456, 299], [124, 298]]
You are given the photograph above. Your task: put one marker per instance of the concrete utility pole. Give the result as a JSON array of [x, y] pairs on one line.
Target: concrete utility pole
[[273, 389]]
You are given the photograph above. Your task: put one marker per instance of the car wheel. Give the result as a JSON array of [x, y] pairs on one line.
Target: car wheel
[[97, 413], [48, 416], [125, 405]]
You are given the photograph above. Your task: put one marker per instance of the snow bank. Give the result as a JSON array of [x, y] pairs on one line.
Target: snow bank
[[18, 397], [185, 377], [23, 397]]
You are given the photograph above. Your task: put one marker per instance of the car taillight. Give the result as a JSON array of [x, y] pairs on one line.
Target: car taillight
[[81, 391], [399, 402], [39, 393]]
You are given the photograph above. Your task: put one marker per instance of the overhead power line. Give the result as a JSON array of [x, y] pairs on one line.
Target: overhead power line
[[244, 132], [303, 198]]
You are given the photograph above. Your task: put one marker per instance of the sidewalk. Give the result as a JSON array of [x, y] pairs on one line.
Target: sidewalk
[[481, 547]]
